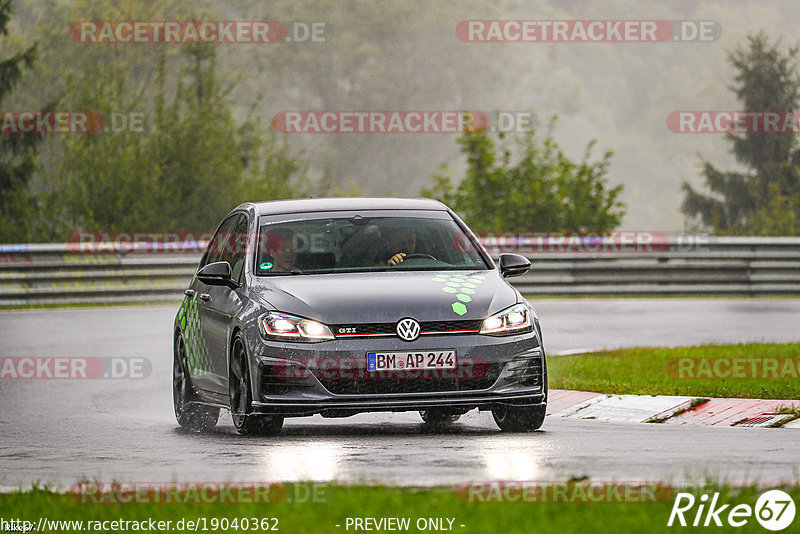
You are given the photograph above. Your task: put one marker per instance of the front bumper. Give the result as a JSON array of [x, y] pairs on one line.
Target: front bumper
[[331, 378]]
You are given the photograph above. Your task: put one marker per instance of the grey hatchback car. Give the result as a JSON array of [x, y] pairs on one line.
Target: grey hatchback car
[[349, 305]]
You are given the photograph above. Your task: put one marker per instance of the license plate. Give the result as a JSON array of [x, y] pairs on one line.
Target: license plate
[[411, 361]]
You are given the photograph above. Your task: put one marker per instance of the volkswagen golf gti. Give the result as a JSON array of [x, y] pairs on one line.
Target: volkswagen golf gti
[[349, 305]]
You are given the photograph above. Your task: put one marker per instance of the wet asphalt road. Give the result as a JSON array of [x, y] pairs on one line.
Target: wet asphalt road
[[59, 431]]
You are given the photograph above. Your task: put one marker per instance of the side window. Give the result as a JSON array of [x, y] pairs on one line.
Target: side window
[[239, 250], [220, 243]]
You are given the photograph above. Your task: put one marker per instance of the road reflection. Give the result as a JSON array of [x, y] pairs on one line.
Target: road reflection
[[511, 458], [313, 460]]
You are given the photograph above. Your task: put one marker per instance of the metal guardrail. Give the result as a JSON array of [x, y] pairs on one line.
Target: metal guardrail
[[679, 265]]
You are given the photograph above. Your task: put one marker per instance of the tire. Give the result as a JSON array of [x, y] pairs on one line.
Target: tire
[[188, 413], [245, 422], [439, 416], [519, 419]]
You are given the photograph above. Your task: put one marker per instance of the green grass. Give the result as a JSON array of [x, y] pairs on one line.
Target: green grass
[[372, 501], [658, 296], [645, 371]]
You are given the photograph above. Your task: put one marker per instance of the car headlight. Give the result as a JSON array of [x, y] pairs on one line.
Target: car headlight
[[276, 325], [513, 320]]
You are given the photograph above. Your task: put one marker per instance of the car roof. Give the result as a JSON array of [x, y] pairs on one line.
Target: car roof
[[310, 205]]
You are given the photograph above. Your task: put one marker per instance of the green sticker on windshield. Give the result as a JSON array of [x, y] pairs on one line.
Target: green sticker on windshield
[[266, 266]]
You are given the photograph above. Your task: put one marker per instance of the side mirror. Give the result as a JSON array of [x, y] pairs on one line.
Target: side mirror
[[513, 265], [217, 274]]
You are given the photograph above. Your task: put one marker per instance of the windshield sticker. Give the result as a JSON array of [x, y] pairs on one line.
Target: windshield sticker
[[266, 266]]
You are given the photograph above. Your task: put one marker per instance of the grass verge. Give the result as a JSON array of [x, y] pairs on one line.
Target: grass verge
[[343, 502], [758, 371]]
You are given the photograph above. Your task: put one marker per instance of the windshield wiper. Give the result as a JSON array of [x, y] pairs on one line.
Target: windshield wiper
[[283, 273]]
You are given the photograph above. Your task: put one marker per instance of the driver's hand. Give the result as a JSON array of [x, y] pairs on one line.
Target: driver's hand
[[397, 258]]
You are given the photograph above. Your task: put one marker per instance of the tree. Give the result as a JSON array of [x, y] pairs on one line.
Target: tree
[[542, 190], [17, 150], [376, 56], [199, 153], [765, 200], [192, 163]]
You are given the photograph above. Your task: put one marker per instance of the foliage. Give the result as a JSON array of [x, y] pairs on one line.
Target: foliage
[[17, 150], [540, 190], [190, 160], [764, 200], [192, 163]]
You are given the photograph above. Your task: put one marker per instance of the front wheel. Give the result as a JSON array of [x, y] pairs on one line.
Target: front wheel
[[519, 418], [189, 415], [246, 423]]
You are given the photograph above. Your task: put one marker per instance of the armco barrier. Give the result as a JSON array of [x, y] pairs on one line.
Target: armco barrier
[[53, 274], [677, 265]]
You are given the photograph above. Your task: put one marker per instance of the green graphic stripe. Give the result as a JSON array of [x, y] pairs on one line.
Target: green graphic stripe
[[461, 286]]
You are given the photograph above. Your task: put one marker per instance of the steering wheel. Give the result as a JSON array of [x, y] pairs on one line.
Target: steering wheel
[[418, 255]]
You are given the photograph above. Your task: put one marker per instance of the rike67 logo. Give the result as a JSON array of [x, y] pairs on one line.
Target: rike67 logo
[[774, 510]]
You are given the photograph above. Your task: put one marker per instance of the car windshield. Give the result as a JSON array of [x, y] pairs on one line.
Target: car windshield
[[359, 243]]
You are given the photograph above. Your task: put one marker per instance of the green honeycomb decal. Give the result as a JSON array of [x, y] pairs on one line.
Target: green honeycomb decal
[[460, 285], [197, 355]]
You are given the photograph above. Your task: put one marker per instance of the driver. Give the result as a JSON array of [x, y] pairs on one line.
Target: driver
[[280, 245], [400, 242]]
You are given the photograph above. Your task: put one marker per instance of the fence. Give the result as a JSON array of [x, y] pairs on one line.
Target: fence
[[54, 274]]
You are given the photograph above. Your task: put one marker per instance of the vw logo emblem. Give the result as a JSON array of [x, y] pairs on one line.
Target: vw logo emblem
[[408, 329]]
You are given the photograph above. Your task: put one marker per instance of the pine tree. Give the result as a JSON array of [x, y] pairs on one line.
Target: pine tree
[[17, 150], [745, 202]]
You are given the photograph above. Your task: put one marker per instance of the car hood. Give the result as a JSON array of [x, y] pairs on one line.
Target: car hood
[[383, 297]]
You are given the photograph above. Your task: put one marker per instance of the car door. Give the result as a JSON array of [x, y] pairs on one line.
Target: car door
[[223, 303], [193, 319], [208, 376]]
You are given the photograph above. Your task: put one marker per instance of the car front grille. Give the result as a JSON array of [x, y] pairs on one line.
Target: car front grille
[[389, 329], [481, 376]]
